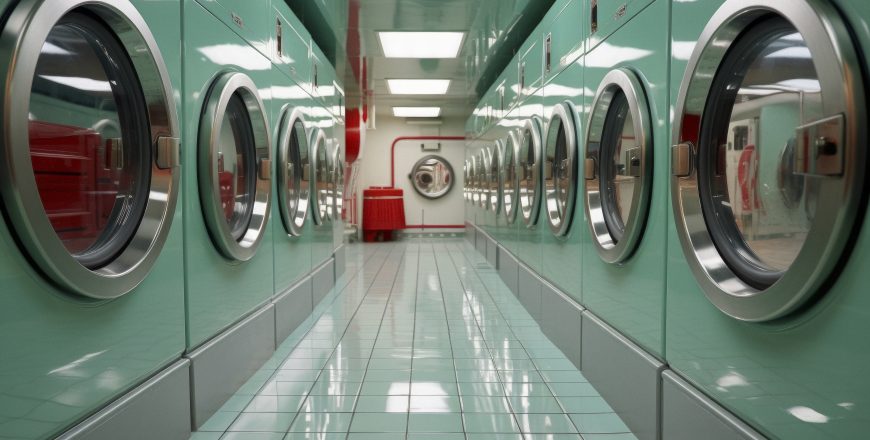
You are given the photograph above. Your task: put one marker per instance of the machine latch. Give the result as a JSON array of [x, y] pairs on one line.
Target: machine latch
[[820, 147], [589, 168], [279, 40], [548, 53], [681, 159], [633, 162], [168, 152], [265, 171]]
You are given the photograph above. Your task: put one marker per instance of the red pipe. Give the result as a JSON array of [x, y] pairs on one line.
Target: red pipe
[[414, 138], [434, 226]]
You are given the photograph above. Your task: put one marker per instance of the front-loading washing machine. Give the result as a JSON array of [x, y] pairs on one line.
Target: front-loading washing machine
[[562, 214], [766, 281], [228, 195], [92, 259], [531, 193], [509, 188], [624, 197], [291, 222], [228, 176]]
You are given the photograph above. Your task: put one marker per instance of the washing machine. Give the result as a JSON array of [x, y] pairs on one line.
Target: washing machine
[[91, 250], [228, 250], [530, 175], [625, 153], [510, 186], [291, 130], [766, 281], [494, 173], [563, 216]]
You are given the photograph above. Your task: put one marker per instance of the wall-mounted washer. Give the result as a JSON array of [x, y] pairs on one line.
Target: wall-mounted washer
[[235, 166], [432, 177], [774, 286], [322, 178], [618, 165], [293, 172]]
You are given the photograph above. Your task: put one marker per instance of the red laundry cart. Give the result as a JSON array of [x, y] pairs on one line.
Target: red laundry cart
[[383, 213]]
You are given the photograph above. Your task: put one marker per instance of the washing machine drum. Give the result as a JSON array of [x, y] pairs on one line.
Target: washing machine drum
[[293, 172], [530, 172], [509, 180], [494, 174], [234, 166], [322, 181], [763, 236], [90, 143]]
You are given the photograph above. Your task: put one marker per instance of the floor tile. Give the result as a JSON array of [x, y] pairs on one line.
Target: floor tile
[[421, 341], [263, 422], [425, 422], [379, 422]]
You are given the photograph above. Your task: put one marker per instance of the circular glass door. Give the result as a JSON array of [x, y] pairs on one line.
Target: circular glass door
[[432, 177], [338, 182], [618, 165], [292, 172], [234, 166], [529, 172], [90, 143], [560, 169], [510, 184], [779, 84], [466, 184], [483, 178], [474, 193], [494, 183], [322, 178]]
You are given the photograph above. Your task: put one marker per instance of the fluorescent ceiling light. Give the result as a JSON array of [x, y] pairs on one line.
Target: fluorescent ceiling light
[[416, 112], [421, 44], [418, 86]]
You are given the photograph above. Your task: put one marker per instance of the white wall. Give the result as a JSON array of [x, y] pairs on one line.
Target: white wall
[[448, 210]]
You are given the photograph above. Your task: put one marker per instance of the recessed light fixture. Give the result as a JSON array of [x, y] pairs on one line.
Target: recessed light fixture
[[421, 44], [418, 86], [416, 112]]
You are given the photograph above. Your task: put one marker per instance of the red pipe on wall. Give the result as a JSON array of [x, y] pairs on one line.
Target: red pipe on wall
[[413, 138]]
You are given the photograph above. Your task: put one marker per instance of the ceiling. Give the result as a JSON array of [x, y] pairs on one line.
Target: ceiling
[[494, 30]]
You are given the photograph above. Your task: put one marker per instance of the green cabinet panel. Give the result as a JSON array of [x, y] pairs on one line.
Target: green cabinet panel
[[252, 20], [290, 51]]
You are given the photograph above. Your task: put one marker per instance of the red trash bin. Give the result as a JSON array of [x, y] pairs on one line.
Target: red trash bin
[[383, 213]]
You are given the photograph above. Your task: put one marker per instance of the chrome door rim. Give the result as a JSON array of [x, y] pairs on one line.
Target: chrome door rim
[[530, 208], [483, 180], [510, 209], [223, 88], [294, 221], [465, 183], [560, 218], [609, 249], [495, 174], [26, 30], [320, 210], [338, 181], [827, 242]]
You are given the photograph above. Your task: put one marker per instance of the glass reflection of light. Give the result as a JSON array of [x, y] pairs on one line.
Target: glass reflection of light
[[76, 82], [234, 54], [791, 52], [605, 54], [69, 369], [809, 415], [730, 380], [53, 49]]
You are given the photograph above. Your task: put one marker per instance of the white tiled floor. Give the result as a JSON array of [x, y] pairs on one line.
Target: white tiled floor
[[419, 340]]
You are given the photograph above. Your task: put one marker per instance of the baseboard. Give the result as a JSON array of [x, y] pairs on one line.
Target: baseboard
[[223, 364], [156, 409], [340, 258], [529, 287], [625, 375], [292, 308], [687, 414], [562, 322], [508, 269], [492, 252], [323, 280]]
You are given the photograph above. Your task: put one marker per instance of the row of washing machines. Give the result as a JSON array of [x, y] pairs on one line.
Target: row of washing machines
[[678, 193], [171, 181]]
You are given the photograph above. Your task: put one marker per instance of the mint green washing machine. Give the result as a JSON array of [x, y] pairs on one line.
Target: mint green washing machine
[[766, 283], [625, 162], [91, 251], [291, 224], [228, 196]]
